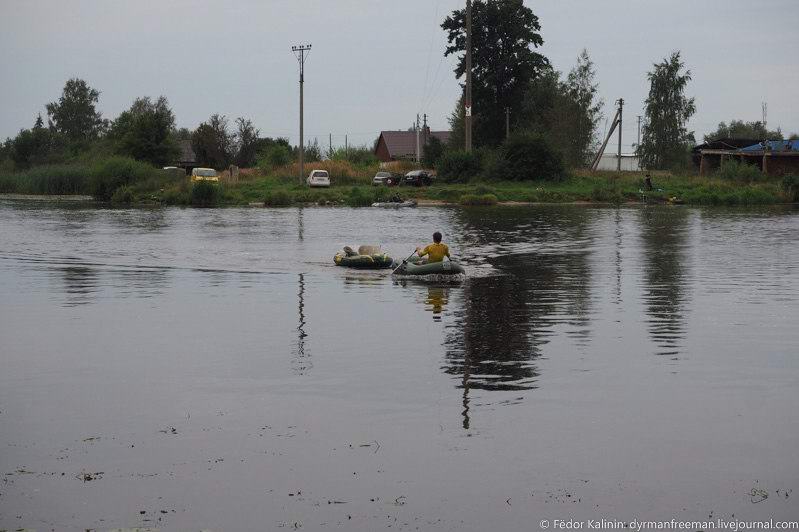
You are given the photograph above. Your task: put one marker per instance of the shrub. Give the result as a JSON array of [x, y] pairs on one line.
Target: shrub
[[47, 179], [175, 196], [475, 199], [275, 156], [9, 183], [359, 198], [278, 198], [359, 156], [433, 151], [122, 195], [527, 157], [108, 175], [607, 194], [459, 167], [205, 194], [790, 186], [733, 170]]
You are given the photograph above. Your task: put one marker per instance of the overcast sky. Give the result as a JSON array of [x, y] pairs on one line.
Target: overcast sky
[[375, 64]]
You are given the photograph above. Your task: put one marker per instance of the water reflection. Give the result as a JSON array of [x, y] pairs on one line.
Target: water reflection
[[664, 235], [80, 284], [301, 362], [502, 321], [436, 301], [144, 283]]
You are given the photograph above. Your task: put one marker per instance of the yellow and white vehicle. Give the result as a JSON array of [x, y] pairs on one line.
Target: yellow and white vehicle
[[204, 174]]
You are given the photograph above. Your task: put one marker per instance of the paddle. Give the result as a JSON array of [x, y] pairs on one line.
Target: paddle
[[404, 262]]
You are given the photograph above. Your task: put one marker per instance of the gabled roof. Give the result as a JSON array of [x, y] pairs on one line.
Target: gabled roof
[[187, 155], [403, 143]]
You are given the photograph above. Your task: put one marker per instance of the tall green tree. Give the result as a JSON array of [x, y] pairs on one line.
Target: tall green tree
[[32, 146], [504, 33], [146, 131], [213, 143], [582, 88], [564, 111], [247, 143], [665, 139], [75, 115], [738, 129]]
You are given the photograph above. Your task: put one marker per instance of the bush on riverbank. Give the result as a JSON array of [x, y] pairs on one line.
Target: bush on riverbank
[[478, 199], [733, 170], [278, 198], [205, 194], [790, 187], [526, 157], [108, 175], [52, 179], [457, 166]]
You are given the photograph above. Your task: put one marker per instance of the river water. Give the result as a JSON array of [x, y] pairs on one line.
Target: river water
[[188, 369]]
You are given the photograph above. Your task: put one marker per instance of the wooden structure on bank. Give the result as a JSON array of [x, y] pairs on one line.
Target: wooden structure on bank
[[772, 157]]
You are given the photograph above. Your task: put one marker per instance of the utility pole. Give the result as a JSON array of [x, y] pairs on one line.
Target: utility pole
[[467, 98], [507, 122], [330, 144], [300, 52], [639, 132], [614, 124], [346, 146], [418, 150], [618, 153]]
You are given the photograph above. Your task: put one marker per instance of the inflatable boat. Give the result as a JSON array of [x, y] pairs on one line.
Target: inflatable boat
[[420, 269], [367, 258]]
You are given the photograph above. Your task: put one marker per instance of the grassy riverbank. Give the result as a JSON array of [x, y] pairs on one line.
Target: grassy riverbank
[[123, 181]]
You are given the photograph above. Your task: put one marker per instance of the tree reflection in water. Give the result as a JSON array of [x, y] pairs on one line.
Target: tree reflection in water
[[504, 320], [664, 235]]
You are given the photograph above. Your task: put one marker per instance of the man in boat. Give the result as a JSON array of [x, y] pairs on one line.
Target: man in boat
[[435, 251]]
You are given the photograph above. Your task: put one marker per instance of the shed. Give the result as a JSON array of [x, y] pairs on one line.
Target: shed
[[187, 159], [395, 145], [772, 157]]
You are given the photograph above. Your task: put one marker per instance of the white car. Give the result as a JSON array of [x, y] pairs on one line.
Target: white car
[[318, 178]]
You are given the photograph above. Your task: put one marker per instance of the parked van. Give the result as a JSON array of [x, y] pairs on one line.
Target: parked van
[[204, 174]]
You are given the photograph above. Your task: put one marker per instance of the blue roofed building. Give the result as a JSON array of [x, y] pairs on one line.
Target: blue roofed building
[[772, 157]]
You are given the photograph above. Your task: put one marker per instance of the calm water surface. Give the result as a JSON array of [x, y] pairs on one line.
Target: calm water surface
[[212, 369]]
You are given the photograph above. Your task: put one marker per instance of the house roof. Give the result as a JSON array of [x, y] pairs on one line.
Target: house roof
[[187, 154], [403, 143], [725, 144], [774, 145]]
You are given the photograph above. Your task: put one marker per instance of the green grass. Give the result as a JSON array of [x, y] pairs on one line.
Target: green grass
[[127, 182]]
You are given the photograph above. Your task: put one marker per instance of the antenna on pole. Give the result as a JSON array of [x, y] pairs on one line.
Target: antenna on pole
[[300, 52]]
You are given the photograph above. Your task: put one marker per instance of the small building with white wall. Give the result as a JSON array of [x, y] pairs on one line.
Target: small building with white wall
[[629, 162]]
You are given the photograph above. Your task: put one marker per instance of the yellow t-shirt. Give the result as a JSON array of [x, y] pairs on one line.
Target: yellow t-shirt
[[435, 252]]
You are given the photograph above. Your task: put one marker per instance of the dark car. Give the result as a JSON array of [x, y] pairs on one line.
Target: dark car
[[418, 178]]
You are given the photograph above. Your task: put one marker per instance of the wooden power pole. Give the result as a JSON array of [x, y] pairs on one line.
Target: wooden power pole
[[300, 52], [618, 153], [616, 123]]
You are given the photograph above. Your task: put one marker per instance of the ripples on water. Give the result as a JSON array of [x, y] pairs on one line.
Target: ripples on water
[[569, 316]]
